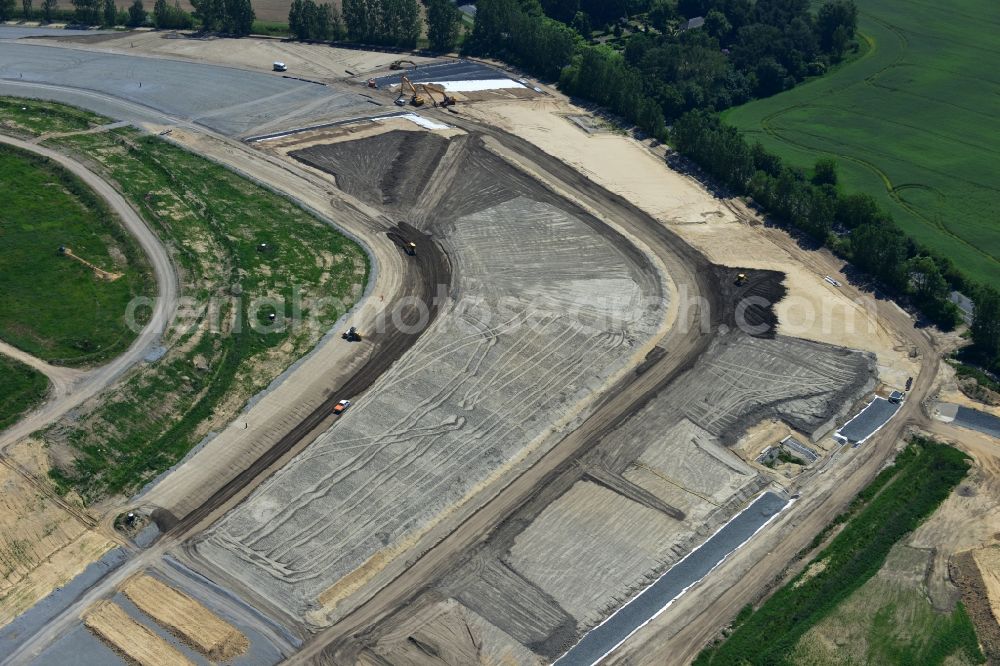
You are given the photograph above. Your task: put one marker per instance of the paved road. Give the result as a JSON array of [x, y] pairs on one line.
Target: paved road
[[228, 100], [74, 387], [875, 415]]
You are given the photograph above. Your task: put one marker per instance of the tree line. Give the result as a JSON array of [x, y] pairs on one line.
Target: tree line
[[232, 17], [852, 225], [666, 66]]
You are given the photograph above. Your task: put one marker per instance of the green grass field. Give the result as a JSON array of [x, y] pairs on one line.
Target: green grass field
[[914, 122], [213, 223], [21, 389], [57, 308], [890, 620], [900, 498]]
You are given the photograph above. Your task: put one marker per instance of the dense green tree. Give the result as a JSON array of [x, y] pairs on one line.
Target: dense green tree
[[109, 13], [87, 12], [390, 22], [210, 13], [836, 23], [48, 10], [443, 24], [717, 25], [295, 23], [170, 17], [986, 325], [26, 9], [581, 23], [7, 10], [880, 250], [561, 10], [136, 14], [309, 21], [237, 17], [825, 172]]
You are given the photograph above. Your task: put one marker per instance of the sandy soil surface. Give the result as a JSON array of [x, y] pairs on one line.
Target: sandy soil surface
[[45, 540], [186, 618], [137, 643], [951, 393], [303, 60], [988, 561]]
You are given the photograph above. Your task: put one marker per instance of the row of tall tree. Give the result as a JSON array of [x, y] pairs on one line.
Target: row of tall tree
[[101, 12], [853, 225], [47, 9], [383, 22], [743, 50], [232, 17], [309, 21]]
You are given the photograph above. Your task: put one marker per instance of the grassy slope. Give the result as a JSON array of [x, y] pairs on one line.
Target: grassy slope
[[890, 620], [212, 221], [899, 499], [54, 307], [913, 123], [21, 389], [215, 220]]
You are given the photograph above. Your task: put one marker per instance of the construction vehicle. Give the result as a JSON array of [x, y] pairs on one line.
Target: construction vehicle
[[351, 335], [398, 64], [279, 66], [372, 83], [410, 249], [341, 406], [741, 279], [416, 99], [446, 99]]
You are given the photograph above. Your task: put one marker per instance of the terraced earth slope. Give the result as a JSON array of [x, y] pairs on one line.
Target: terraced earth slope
[[912, 123], [545, 307]]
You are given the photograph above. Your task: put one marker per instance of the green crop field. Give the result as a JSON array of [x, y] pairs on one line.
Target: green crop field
[[21, 389], [55, 307], [915, 122]]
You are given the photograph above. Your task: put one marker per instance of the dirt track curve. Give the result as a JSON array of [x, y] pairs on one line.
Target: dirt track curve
[[73, 387]]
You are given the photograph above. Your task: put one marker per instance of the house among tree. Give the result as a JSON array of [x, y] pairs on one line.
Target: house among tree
[[691, 24]]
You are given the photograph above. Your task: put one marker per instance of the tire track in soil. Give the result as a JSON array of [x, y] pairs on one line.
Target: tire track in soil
[[432, 268]]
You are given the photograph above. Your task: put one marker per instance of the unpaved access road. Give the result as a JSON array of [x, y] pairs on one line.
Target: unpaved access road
[[71, 388]]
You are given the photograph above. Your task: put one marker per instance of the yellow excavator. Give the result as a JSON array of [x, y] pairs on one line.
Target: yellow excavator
[[398, 64], [446, 99], [416, 98]]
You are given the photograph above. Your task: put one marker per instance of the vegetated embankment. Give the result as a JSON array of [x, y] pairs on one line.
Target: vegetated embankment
[[894, 504], [263, 280], [68, 268], [22, 388]]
